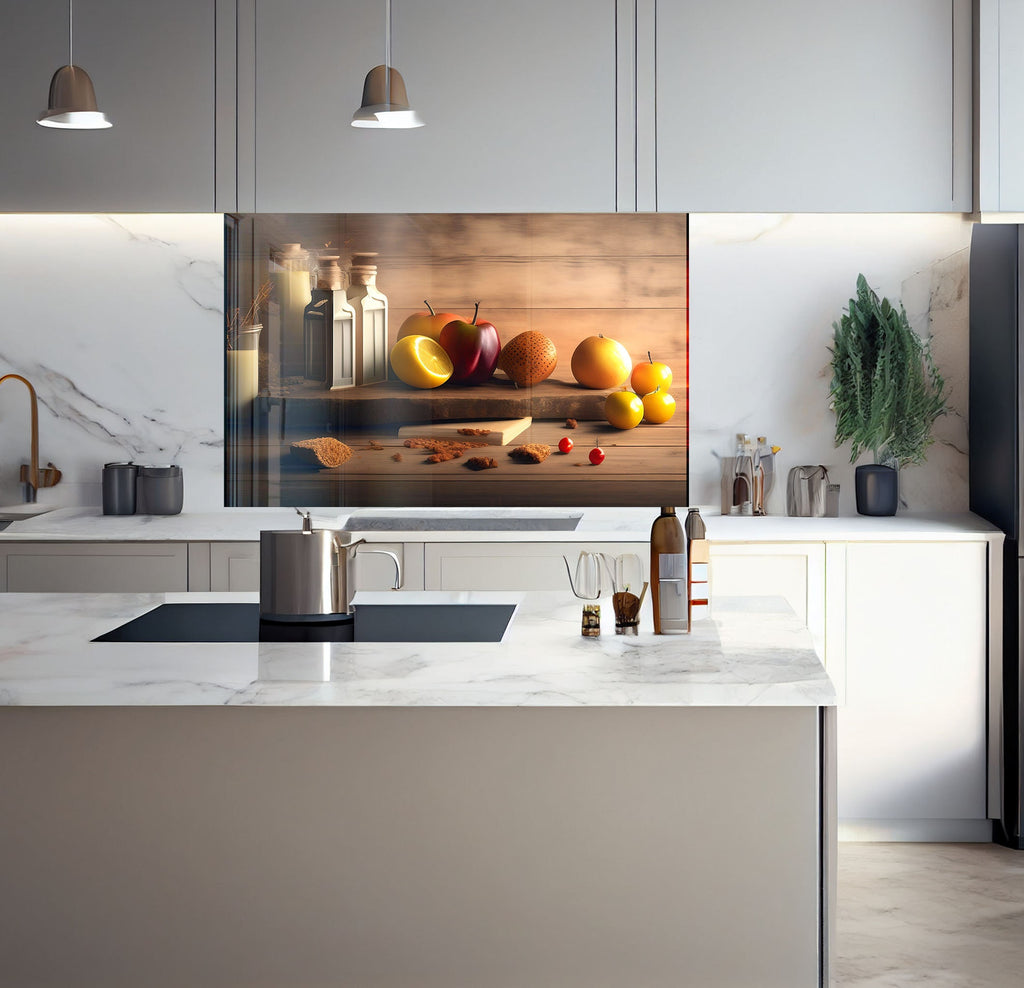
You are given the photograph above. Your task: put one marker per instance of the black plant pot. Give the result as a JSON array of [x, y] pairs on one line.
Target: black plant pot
[[878, 489]]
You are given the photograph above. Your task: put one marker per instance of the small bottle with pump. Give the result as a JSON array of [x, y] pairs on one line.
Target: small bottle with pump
[[669, 576]]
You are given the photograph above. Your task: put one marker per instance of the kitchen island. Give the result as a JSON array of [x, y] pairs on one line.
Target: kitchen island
[[543, 810]]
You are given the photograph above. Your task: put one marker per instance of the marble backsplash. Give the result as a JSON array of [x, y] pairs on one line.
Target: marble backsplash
[[118, 322], [764, 292]]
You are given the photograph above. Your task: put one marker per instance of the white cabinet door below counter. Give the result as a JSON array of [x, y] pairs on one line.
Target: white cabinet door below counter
[[912, 734], [512, 565]]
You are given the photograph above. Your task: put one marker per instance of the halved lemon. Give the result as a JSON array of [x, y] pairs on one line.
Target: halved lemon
[[421, 362]]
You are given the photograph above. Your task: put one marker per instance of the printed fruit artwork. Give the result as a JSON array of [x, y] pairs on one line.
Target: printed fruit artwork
[[623, 409], [650, 376], [474, 348], [429, 323], [421, 362], [565, 444], [600, 362], [596, 455], [659, 406], [528, 358]]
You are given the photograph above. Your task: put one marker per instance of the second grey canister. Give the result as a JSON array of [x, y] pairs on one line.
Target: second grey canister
[[160, 491]]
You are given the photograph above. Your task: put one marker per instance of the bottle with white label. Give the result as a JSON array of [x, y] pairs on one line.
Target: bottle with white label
[[668, 574], [371, 323]]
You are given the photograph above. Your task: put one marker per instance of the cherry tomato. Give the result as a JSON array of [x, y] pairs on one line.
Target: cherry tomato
[[597, 455], [565, 444]]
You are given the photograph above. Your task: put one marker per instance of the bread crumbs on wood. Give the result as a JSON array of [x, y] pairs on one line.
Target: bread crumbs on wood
[[441, 445], [448, 454], [397, 457], [531, 453], [571, 423], [322, 451], [474, 432], [482, 463]]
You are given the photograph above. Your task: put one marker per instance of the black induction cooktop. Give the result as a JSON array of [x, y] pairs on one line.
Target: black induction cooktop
[[240, 622]]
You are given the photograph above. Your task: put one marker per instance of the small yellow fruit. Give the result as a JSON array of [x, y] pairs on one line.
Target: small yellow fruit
[[649, 375], [623, 409], [659, 406], [421, 362]]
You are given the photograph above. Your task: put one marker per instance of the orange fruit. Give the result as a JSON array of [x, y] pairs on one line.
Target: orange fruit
[[659, 406], [623, 409], [649, 375], [528, 358], [600, 362], [421, 362]]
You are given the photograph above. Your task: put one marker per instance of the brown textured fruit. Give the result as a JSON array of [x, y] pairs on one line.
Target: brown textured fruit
[[528, 358]]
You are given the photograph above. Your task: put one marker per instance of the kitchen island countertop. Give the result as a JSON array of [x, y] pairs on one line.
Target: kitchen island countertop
[[753, 652]]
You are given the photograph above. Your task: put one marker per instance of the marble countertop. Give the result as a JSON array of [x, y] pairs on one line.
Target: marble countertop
[[753, 652], [595, 524]]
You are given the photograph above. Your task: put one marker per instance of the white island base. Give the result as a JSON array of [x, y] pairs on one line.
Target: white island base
[[430, 847]]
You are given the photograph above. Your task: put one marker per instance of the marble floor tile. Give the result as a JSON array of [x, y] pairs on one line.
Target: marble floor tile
[[942, 915]]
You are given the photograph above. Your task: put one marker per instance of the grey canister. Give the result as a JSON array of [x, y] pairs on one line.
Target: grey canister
[[160, 490], [119, 481]]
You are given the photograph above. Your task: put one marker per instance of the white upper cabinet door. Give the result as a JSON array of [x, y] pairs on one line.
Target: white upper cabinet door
[[1000, 106], [153, 69], [518, 101], [805, 106]]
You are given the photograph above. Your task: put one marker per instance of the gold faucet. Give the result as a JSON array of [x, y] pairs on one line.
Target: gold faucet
[[29, 475]]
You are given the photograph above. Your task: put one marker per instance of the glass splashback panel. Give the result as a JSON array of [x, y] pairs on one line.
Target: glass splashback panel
[[323, 410]]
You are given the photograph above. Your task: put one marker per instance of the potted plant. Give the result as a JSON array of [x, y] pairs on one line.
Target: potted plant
[[886, 393]]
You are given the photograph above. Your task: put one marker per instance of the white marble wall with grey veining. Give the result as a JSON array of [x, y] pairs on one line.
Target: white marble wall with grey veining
[[764, 292], [117, 320]]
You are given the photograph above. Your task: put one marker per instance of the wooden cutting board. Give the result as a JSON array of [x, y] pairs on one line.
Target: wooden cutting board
[[500, 432]]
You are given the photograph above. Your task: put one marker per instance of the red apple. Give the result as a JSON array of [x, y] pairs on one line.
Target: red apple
[[474, 348], [429, 323]]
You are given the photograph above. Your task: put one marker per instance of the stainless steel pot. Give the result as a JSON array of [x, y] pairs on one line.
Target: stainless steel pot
[[308, 573]]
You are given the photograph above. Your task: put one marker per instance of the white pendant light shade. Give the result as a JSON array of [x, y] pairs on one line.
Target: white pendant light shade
[[385, 102], [72, 103]]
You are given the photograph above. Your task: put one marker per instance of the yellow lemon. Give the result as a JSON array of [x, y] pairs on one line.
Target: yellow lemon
[[659, 406], [623, 409], [421, 362]]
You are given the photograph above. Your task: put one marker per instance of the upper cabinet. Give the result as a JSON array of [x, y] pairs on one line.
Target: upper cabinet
[[999, 105], [519, 102], [804, 106], [153, 69]]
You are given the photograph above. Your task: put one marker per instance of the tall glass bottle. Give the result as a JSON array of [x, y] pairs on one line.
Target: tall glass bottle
[[668, 574], [371, 324]]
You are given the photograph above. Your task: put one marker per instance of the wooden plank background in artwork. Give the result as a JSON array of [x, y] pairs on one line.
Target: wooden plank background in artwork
[[568, 276]]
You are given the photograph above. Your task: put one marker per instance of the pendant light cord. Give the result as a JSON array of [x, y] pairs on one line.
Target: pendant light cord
[[71, 32], [387, 52]]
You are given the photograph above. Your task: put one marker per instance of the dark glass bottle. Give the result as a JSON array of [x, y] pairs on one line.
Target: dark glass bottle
[[668, 574]]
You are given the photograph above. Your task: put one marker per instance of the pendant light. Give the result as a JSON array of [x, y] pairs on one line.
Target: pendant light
[[72, 104], [385, 102]]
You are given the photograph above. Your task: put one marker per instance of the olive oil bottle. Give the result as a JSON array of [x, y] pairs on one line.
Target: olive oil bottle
[[668, 574]]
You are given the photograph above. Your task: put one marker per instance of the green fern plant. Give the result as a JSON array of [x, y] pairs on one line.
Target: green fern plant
[[886, 391]]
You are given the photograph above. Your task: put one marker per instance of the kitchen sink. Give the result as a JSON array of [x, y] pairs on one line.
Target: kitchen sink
[[463, 521], [19, 512], [240, 622]]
